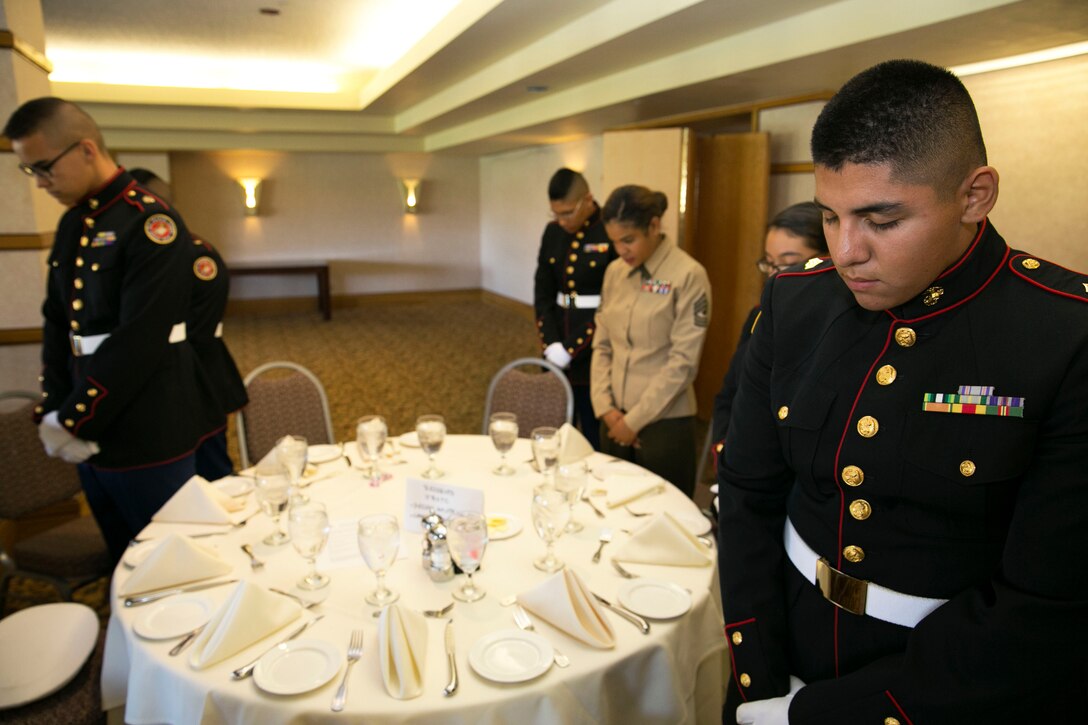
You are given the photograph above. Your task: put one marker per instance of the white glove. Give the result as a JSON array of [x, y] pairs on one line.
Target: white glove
[[775, 711], [59, 443], [557, 354], [77, 450]]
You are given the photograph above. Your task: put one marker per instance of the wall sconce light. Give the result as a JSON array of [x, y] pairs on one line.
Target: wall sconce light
[[252, 187], [409, 195]]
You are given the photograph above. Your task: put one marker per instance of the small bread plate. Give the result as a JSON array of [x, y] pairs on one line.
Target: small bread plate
[[174, 616], [235, 485], [511, 655], [297, 666], [136, 553], [324, 453], [409, 439], [42, 648], [502, 526], [654, 599]]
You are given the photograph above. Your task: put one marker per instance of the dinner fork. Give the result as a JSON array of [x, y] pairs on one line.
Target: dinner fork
[[521, 618], [355, 651], [604, 538], [623, 572], [254, 562]]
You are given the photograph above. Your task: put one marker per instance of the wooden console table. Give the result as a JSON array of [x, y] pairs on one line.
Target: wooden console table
[[320, 270]]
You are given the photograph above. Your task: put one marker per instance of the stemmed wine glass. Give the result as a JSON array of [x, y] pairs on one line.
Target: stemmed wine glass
[[570, 479], [431, 430], [379, 539], [545, 442], [309, 527], [503, 428], [273, 493], [467, 536], [371, 433], [291, 452], [551, 512]]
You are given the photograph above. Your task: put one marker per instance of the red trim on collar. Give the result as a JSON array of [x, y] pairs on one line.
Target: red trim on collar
[[897, 707], [963, 258], [966, 299]]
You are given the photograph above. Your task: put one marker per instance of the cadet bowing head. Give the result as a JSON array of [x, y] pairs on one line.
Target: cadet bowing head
[[570, 200], [632, 220]]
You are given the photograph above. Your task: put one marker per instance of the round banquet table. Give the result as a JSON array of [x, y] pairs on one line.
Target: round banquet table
[[672, 675]]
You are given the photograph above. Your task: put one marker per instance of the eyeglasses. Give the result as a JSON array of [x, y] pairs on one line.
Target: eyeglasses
[[769, 268], [567, 214], [44, 169]]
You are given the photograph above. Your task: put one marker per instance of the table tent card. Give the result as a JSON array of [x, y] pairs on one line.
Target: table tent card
[[250, 614], [176, 560], [623, 489], [573, 446], [565, 602], [199, 502], [402, 651], [664, 540], [422, 497]]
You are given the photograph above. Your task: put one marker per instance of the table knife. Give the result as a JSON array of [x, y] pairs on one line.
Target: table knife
[[246, 670], [148, 598], [631, 617], [452, 686]]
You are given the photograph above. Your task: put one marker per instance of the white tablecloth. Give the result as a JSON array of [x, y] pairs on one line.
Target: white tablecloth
[[672, 675]]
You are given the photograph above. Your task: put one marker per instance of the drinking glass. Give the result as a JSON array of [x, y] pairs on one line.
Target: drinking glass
[[467, 536], [551, 512], [291, 452], [545, 442], [503, 428], [309, 527], [570, 479], [379, 539], [273, 494], [371, 433], [431, 430]]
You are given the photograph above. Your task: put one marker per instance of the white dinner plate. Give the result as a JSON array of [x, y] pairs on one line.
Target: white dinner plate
[[297, 666], [502, 526], [511, 655], [42, 648], [174, 616], [654, 599], [324, 453], [234, 485], [409, 439], [135, 554]]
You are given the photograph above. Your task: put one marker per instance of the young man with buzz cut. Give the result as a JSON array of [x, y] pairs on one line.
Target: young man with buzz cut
[[904, 507]]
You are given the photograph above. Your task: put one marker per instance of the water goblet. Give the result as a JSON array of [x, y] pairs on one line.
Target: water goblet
[[291, 452], [467, 536], [551, 512], [503, 428], [431, 430], [570, 479], [273, 486], [371, 433], [309, 527], [545, 442], [379, 539]]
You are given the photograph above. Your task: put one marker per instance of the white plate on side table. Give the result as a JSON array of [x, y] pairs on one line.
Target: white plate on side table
[[511, 655], [42, 648]]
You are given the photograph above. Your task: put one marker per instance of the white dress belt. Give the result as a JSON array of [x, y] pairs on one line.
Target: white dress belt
[[882, 603], [87, 344], [581, 302]]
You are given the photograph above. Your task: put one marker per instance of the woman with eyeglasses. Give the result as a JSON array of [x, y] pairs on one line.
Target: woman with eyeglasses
[[794, 236], [655, 308]]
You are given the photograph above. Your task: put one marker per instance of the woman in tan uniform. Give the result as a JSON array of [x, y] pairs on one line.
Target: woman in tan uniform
[[650, 327]]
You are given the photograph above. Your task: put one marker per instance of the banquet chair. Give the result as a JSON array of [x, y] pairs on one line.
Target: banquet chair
[[279, 405], [67, 556], [538, 399]]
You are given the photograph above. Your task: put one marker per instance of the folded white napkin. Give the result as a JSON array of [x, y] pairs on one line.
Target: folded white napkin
[[573, 446], [249, 615], [402, 651], [664, 540], [199, 502], [624, 489], [176, 560], [566, 603]]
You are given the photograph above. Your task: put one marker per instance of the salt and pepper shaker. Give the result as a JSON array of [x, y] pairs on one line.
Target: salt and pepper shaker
[[436, 549]]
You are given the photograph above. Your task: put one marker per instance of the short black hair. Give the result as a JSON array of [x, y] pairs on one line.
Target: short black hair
[[916, 117], [59, 120], [566, 183], [804, 220], [634, 205]]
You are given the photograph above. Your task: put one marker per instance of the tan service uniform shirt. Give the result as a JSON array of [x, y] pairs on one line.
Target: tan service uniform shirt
[[650, 329]]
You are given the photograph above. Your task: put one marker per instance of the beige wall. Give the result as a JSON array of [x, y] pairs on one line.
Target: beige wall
[[343, 207]]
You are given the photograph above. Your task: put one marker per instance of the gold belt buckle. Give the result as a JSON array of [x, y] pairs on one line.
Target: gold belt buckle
[[842, 590], [77, 344]]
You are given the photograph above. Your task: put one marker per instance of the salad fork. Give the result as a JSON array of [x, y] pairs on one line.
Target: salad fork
[[355, 651], [521, 618], [604, 538]]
